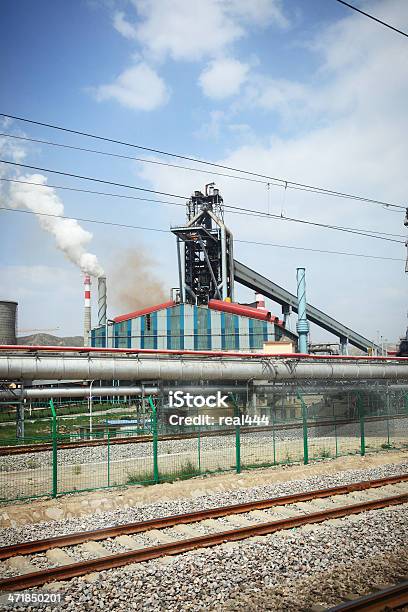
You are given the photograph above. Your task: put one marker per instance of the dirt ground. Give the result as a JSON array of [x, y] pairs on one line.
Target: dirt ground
[[80, 504]]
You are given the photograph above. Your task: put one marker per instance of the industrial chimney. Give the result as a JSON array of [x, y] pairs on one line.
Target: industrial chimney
[[102, 300], [87, 309]]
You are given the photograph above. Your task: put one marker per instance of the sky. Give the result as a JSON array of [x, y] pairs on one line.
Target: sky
[[310, 92]]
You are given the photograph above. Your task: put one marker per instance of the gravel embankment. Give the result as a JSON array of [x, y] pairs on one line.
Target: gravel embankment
[[12, 535]]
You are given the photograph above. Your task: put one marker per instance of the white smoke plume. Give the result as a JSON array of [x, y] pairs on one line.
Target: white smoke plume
[[70, 237]]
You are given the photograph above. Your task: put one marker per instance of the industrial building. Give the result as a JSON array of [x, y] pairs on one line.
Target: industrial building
[[204, 314], [217, 326]]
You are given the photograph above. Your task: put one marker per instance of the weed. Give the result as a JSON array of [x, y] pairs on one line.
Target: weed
[[325, 453], [186, 470], [77, 469]]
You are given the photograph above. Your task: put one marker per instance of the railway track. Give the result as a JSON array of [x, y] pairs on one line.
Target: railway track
[[389, 598], [161, 537], [135, 439]]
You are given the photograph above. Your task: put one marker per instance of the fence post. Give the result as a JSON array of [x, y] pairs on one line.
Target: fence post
[[154, 432], [360, 407], [388, 414], [273, 438], [108, 458], [199, 449], [237, 437], [304, 419], [54, 450]]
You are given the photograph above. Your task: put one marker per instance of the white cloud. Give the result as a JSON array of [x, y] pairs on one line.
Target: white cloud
[[195, 29], [123, 26], [259, 12], [223, 78], [138, 88], [353, 139]]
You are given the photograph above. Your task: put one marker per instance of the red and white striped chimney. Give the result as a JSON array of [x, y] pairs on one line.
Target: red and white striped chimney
[[87, 309]]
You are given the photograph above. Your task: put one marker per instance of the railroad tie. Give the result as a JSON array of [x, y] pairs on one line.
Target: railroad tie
[[214, 525], [21, 564], [96, 549], [187, 530], [57, 556], [128, 542], [239, 520], [158, 536]]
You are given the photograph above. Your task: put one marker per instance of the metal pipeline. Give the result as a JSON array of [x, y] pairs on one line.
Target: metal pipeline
[[61, 367], [30, 393]]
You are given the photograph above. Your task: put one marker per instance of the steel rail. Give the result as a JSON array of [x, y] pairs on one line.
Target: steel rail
[[73, 570], [42, 447], [390, 598], [35, 546]]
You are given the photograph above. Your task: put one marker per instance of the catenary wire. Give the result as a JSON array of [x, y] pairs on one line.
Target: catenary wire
[[268, 183], [286, 183], [242, 210], [387, 25], [155, 229], [372, 234]]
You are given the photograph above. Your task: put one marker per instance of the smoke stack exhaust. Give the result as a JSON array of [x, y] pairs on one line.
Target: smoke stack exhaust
[[102, 300], [87, 309]]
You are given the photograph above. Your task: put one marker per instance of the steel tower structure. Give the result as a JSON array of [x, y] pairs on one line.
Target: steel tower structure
[[205, 250]]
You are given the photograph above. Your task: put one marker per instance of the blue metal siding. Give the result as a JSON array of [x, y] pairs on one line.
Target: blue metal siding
[[129, 333], [142, 332], [208, 329], [154, 328], [168, 323], [236, 332], [223, 331], [251, 333], [182, 326]]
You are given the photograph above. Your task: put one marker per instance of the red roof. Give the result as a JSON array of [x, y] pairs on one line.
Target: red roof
[[143, 311], [231, 307]]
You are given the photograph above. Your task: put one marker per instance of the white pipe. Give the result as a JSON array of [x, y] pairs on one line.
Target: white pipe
[[183, 369], [76, 392]]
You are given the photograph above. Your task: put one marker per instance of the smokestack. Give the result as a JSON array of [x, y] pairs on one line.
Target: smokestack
[[102, 300], [302, 325], [87, 309], [260, 301]]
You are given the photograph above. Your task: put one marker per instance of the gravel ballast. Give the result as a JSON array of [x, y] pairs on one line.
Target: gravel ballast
[[351, 554], [110, 518]]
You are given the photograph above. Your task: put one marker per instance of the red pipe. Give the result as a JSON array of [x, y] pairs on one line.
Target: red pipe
[[94, 349], [245, 311]]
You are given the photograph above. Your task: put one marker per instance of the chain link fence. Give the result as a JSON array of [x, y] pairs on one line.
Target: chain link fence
[[146, 441]]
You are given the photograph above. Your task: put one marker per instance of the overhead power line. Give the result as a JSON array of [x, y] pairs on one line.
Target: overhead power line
[[230, 207], [387, 25], [165, 231], [284, 182]]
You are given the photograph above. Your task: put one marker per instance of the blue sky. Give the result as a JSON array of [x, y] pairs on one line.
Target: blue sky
[[305, 91]]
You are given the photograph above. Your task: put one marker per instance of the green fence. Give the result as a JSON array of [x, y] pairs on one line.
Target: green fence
[[142, 442]]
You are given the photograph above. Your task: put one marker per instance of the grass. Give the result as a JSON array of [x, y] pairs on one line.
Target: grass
[[185, 471], [325, 454]]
